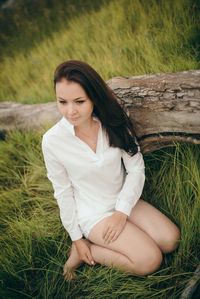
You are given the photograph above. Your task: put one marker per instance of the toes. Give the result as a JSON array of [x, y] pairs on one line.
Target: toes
[[69, 275]]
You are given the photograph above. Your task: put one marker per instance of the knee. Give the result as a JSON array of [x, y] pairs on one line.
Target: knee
[[171, 241], [150, 262]]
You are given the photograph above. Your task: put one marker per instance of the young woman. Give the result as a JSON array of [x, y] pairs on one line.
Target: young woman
[[97, 171]]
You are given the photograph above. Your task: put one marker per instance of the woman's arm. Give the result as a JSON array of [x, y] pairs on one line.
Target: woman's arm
[[133, 184], [128, 196], [63, 192]]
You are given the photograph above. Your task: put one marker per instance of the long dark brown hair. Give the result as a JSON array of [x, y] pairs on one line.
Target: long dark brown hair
[[106, 107]]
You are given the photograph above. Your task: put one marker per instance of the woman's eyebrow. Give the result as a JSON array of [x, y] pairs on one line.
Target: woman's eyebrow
[[72, 100]]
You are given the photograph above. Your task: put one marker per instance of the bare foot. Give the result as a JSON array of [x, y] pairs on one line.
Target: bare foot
[[72, 263]]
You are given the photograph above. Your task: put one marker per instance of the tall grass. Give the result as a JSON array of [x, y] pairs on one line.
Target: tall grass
[[121, 38], [34, 243], [25, 22]]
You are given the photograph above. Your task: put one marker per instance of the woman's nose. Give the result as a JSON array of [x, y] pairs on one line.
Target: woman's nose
[[71, 110]]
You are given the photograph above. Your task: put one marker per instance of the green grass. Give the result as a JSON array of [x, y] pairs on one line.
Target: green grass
[[34, 243], [120, 38], [27, 23]]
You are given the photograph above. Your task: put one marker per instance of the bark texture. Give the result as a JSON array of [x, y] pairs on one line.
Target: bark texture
[[163, 107], [193, 286]]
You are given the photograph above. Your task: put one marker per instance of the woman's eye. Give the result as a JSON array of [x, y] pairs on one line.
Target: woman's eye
[[80, 102], [62, 102]]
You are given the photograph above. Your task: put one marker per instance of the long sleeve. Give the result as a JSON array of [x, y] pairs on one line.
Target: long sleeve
[[63, 192], [134, 182]]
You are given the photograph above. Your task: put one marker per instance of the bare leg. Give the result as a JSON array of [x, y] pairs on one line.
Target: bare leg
[[101, 255], [111, 258], [148, 223], [133, 251], [159, 227]]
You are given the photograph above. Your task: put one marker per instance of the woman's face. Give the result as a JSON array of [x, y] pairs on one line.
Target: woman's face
[[73, 102]]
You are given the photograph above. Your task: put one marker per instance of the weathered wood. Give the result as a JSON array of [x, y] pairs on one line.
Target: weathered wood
[[164, 108], [27, 117], [192, 285]]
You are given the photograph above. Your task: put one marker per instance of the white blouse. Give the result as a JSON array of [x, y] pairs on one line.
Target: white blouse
[[89, 185]]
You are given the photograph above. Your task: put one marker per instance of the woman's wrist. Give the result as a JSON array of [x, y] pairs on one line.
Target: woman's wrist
[[121, 214], [78, 241]]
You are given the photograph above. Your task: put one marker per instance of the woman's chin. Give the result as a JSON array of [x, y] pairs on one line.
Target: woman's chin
[[73, 120]]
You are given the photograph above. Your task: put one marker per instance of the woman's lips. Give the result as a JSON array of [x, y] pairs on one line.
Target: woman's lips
[[73, 119]]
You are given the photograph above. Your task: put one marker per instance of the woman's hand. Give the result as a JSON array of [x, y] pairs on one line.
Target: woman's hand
[[114, 225], [83, 250]]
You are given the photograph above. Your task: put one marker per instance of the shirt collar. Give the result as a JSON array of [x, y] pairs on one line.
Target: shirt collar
[[70, 127]]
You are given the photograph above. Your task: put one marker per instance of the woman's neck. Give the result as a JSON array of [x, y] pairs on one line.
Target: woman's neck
[[86, 127]]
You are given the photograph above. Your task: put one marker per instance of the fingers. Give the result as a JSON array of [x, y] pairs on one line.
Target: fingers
[[111, 236], [107, 233], [112, 229], [90, 260], [83, 249], [115, 236], [87, 258]]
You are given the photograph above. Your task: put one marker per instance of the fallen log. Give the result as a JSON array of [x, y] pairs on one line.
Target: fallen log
[[192, 286], [163, 107]]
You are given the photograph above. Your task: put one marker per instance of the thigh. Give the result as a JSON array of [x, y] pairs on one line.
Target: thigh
[[158, 226], [111, 258], [134, 243]]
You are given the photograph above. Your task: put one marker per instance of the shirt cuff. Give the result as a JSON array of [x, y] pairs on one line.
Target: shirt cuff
[[75, 234], [124, 207]]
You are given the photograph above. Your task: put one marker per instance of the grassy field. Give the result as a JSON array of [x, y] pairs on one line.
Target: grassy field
[[118, 38]]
